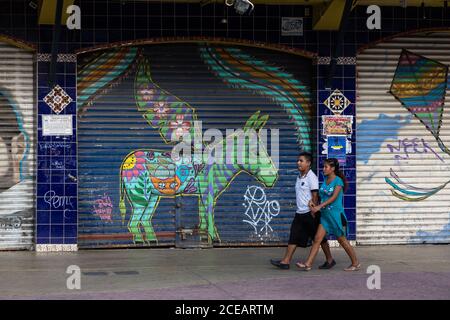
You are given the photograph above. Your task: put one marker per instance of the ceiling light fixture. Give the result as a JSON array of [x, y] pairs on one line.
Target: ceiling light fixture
[[423, 10], [241, 6]]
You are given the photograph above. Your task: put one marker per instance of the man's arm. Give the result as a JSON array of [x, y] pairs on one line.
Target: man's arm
[[315, 197]]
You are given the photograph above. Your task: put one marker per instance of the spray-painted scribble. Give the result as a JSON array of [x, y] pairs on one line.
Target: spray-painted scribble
[[10, 223], [260, 211], [406, 147], [103, 208], [58, 202], [56, 164]]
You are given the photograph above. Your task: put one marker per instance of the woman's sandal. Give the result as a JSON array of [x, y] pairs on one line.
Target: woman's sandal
[[303, 266], [353, 268]]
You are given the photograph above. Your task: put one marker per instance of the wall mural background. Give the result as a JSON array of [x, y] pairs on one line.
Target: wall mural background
[[17, 125], [402, 151], [132, 99]]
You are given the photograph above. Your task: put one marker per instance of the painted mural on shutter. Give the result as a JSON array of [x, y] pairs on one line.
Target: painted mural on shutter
[[17, 124], [403, 140], [136, 103]]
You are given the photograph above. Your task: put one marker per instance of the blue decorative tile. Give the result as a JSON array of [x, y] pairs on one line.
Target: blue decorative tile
[[42, 217], [71, 240], [57, 177], [42, 188], [41, 203], [71, 189], [70, 216], [57, 217], [43, 231], [56, 240], [43, 176], [350, 213], [42, 240], [56, 231], [70, 231], [349, 201]]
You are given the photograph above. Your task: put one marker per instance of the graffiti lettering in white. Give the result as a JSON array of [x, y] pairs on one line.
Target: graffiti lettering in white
[[259, 210], [57, 201]]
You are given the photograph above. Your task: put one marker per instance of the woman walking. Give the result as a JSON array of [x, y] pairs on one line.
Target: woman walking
[[333, 220]]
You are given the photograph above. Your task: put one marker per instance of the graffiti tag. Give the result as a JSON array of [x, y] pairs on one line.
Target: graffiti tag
[[57, 201], [411, 146], [260, 211], [58, 164], [9, 223], [54, 148], [103, 208]]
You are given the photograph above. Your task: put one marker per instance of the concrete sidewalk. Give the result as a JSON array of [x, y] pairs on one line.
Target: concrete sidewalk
[[407, 272]]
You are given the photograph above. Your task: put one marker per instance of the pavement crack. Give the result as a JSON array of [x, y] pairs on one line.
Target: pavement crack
[[215, 285]]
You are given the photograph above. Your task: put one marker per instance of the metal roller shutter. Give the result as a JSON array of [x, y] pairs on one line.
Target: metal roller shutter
[[403, 132], [17, 148], [132, 99]]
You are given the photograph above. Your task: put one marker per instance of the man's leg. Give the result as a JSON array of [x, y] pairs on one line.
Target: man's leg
[[289, 253], [326, 250]]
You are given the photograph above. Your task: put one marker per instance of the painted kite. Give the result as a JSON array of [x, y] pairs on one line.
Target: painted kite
[[420, 85]]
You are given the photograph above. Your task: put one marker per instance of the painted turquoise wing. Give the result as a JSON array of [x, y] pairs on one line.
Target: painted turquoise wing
[[104, 71], [240, 70]]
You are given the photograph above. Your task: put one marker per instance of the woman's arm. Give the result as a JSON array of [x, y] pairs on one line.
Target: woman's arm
[[337, 189]]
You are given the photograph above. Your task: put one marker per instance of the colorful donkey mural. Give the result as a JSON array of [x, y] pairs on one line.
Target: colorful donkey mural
[[420, 85], [148, 175], [134, 105]]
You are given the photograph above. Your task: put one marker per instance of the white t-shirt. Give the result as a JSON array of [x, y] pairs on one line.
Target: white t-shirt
[[303, 187]]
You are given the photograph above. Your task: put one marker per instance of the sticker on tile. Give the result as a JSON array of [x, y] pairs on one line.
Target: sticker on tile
[[337, 125], [337, 102], [57, 99]]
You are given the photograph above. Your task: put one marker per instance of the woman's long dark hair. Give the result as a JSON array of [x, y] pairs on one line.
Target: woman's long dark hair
[[334, 163]]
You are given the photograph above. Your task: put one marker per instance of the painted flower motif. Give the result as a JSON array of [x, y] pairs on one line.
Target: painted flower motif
[[180, 127], [133, 165], [160, 109], [147, 93]]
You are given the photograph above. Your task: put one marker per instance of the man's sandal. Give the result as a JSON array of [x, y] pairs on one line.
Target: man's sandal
[[303, 266], [353, 268]]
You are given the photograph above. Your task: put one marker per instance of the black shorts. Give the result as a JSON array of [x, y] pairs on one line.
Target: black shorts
[[303, 229]]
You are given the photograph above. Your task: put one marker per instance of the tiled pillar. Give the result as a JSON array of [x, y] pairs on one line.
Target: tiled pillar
[[345, 82], [56, 189]]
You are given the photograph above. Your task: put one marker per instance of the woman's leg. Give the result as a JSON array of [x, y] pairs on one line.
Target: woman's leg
[[320, 234], [349, 249]]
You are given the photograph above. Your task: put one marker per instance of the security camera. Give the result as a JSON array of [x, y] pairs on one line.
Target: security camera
[[241, 6]]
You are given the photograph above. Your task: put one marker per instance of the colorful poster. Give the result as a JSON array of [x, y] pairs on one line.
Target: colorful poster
[[337, 125], [337, 148]]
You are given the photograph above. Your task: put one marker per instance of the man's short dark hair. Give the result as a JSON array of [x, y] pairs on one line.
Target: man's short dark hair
[[308, 156]]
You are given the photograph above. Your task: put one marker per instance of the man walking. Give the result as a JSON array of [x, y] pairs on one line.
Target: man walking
[[305, 223]]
